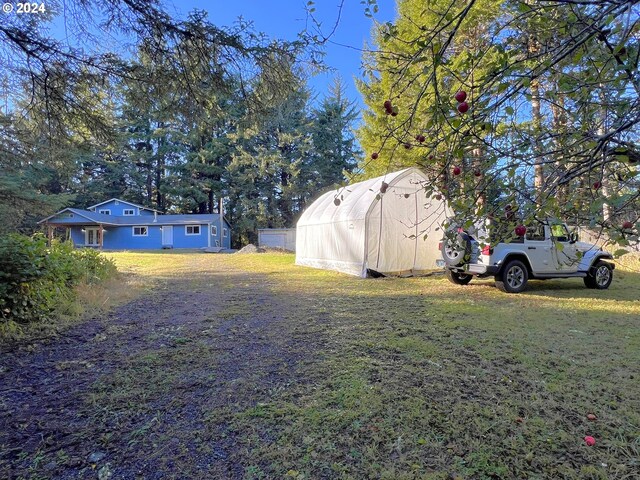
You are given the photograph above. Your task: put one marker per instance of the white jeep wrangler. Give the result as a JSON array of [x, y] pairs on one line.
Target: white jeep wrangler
[[547, 250]]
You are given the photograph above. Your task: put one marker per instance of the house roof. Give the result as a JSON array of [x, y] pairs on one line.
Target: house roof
[[122, 201], [91, 216], [116, 220]]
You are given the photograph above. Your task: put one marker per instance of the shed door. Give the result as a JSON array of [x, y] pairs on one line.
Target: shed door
[[167, 236]]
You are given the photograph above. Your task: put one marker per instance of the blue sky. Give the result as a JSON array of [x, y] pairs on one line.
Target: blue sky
[[286, 18], [281, 19]]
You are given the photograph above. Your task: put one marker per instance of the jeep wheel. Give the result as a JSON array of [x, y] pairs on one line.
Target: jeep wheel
[[455, 248], [458, 278], [600, 276], [513, 277]]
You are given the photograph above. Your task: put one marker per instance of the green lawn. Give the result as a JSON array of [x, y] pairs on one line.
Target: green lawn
[[248, 367], [418, 378]]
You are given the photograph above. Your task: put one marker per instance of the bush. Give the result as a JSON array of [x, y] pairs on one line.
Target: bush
[[34, 278]]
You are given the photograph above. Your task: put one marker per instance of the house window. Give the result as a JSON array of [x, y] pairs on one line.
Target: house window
[[214, 230], [69, 215], [128, 211], [224, 232], [192, 229], [106, 212], [140, 231], [116, 202]]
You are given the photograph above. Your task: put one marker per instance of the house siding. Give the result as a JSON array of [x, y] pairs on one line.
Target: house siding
[[118, 210], [121, 237], [224, 242], [182, 240]]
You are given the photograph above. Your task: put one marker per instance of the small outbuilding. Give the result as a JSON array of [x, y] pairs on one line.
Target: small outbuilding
[[284, 238], [364, 229]]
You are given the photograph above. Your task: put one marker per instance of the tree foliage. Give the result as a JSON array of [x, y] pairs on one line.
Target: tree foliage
[[188, 114], [552, 89]]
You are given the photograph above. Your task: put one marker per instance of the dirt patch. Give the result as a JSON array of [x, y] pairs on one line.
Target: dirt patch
[[148, 390]]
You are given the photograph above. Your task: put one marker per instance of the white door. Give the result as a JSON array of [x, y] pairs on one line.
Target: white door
[[167, 236], [564, 252], [91, 237], [538, 248]]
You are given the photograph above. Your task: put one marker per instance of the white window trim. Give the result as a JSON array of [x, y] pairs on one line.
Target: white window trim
[[214, 230], [106, 212], [133, 231], [132, 210], [225, 232], [186, 230]]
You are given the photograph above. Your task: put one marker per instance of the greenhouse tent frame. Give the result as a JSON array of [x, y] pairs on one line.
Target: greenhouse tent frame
[[369, 228]]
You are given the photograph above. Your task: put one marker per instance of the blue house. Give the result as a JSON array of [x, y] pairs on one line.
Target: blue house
[[120, 225]]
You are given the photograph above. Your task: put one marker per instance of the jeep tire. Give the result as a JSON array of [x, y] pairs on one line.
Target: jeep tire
[[600, 276], [457, 277], [513, 277], [454, 251]]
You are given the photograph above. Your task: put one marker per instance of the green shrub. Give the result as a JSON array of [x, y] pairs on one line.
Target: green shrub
[[34, 278]]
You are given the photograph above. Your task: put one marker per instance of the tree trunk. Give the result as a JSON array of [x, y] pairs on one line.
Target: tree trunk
[[537, 149]]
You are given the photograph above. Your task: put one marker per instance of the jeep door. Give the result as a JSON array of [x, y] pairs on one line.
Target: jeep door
[[564, 251], [538, 246]]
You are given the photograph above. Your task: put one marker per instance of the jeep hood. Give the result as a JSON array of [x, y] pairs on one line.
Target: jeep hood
[[586, 247]]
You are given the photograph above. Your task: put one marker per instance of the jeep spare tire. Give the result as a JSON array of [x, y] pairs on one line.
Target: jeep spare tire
[[455, 246]]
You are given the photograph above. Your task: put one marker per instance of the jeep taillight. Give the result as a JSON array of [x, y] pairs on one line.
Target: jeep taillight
[[440, 246], [487, 250]]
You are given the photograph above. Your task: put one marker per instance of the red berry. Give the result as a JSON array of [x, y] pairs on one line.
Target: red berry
[[387, 105], [477, 173], [627, 225], [438, 197], [597, 185], [430, 157], [383, 187], [463, 107], [407, 146], [420, 138], [336, 201], [521, 230], [461, 96], [591, 417], [374, 155], [457, 171], [589, 440]]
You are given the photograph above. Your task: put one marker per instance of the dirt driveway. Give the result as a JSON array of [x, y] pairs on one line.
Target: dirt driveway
[[251, 367], [146, 391]]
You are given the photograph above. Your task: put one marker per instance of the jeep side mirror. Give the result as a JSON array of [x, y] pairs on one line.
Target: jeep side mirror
[[573, 237]]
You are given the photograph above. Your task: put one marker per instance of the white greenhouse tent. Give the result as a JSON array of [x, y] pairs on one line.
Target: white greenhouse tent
[[392, 233]]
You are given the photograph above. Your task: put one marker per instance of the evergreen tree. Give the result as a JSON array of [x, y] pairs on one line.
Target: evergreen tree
[[334, 153]]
